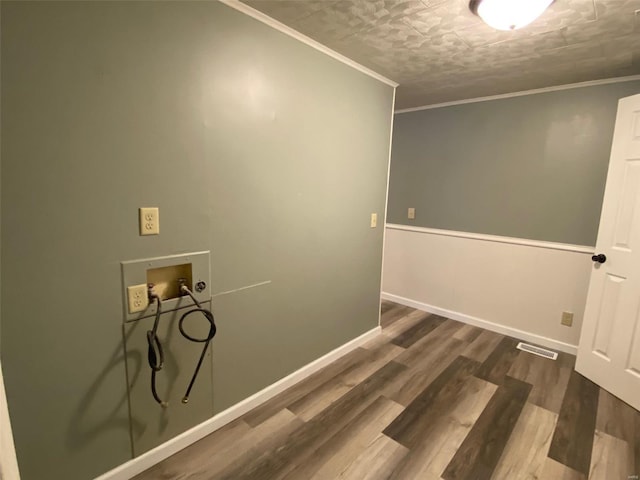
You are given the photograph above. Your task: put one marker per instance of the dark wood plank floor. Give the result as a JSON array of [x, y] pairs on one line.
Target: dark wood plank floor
[[428, 399]]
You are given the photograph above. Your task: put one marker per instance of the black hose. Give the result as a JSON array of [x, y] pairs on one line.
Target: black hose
[[207, 340], [155, 354]]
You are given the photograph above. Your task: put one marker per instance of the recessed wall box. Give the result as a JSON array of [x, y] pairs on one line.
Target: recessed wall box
[[166, 274]]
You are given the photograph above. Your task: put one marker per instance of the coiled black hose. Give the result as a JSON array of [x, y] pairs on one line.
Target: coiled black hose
[[155, 353], [207, 340]]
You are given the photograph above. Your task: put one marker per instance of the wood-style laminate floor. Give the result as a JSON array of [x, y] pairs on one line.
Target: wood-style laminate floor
[[428, 399]]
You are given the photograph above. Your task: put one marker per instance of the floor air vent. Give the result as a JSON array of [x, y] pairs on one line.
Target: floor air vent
[[542, 352]]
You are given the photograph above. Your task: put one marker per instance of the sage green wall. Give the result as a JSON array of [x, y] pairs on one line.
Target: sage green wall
[[530, 167], [253, 145]]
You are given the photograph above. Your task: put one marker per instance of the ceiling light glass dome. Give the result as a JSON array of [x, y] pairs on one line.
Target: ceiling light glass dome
[[509, 14]]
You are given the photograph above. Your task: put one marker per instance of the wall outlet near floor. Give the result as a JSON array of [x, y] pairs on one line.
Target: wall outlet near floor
[[567, 319], [411, 213], [374, 220]]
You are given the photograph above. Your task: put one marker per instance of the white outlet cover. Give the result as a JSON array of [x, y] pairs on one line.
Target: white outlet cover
[[149, 221], [374, 220], [137, 297]]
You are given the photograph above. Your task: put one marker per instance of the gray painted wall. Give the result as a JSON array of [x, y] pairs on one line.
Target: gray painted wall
[[530, 167], [253, 145]]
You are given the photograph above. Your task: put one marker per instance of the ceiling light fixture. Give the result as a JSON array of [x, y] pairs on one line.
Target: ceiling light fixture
[[509, 14]]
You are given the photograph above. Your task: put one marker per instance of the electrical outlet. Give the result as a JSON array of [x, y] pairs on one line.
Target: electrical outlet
[[138, 298], [374, 220], [411, 213], [149, 221], [567, 319]]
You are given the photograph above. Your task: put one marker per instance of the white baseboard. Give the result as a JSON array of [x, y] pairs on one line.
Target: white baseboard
[[152, 457], [486, 324]]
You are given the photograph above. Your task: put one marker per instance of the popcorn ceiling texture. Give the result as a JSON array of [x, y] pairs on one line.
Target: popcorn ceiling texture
[[439, 51]]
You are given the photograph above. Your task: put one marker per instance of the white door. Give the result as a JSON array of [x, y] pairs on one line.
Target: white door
[[609, 349]]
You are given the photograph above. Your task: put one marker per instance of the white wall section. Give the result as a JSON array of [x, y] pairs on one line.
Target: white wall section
[[516, 289]]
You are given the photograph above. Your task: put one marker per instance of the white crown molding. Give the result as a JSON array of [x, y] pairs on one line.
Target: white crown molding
[[495, 238], [569, 86], [486, 324], [147, 460], [266, 19], [386, 197]]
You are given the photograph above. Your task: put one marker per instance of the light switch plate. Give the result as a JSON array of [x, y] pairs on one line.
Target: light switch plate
[[374, 220], [149, 221], [411, 213]]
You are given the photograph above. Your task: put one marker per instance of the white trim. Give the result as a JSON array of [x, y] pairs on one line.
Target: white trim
[[8, 462], [495, 238], [486, 324], [264, 18], [568, 86], [539, 351], [152, 457], [386, 200]]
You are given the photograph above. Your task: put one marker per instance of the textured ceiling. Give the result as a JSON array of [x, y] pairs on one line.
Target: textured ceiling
[[439, 51]]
